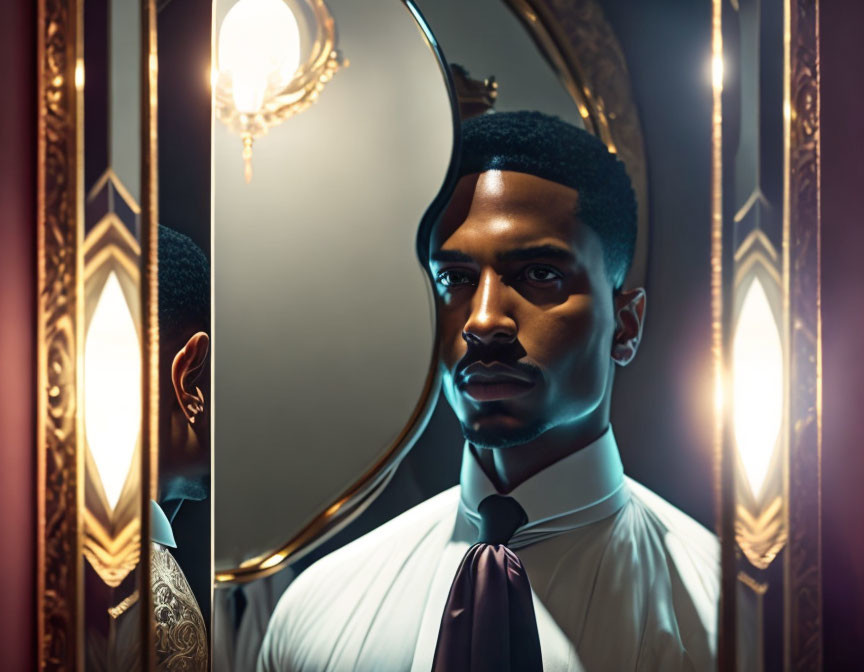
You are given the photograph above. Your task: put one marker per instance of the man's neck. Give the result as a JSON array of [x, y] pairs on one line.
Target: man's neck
[[508, 468]]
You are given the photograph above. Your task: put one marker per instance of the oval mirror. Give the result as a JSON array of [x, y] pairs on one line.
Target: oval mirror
[[323, 325]]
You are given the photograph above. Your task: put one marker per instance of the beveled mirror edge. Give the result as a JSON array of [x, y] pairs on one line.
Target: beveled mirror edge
[[150, 307], [357, 497]]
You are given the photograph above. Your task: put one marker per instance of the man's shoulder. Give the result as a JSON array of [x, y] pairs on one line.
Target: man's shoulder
[[394, 538], [334, 590], [677, 527], [690, 554]]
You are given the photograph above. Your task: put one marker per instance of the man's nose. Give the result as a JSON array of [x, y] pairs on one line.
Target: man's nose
[[490, 320]]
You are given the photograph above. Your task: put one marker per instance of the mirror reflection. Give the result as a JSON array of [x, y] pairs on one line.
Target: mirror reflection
[[451, 311], [541, 280]]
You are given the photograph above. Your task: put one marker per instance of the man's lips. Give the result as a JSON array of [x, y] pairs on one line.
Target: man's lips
[[494, 382]]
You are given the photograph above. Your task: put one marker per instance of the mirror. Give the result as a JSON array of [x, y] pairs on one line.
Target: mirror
[[341, 479]]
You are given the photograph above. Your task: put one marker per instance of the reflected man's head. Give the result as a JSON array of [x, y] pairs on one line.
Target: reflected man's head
[[528, 261], [184, 316]]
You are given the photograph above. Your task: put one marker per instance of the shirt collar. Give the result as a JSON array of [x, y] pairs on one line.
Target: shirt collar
[[577, 490]]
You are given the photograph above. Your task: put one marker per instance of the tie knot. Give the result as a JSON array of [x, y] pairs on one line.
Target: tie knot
[[500, 517]]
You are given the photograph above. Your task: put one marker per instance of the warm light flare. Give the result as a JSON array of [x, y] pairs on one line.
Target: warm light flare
[[757, 364], [259, 50], [79, 74], [717, 72], [112, 388]]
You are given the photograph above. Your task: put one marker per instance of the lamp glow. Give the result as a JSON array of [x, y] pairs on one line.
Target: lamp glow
[[259, 49], [112, 388], [758, 385]]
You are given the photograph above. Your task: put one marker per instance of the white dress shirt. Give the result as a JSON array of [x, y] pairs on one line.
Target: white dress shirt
[[621, 579]]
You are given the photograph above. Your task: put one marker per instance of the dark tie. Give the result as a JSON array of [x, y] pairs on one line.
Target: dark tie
[[488, 623]]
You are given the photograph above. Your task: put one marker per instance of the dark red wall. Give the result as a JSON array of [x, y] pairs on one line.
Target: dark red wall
[[17, 337], [843, 331]]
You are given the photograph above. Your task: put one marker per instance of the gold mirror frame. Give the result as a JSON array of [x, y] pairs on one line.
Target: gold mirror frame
[[801, 298], [60, 319]]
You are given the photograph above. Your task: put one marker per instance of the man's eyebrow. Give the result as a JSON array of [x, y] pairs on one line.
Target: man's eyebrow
[[536, 252], [450, 255]]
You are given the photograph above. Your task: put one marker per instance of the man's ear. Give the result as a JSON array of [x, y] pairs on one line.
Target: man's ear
[[629, 318], [185, 370]]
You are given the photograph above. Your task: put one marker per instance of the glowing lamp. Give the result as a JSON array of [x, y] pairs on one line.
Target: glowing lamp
[[262, 78], [259, 50]]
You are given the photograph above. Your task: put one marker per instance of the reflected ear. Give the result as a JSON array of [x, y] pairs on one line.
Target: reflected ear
[[629, 318], [185, 370]]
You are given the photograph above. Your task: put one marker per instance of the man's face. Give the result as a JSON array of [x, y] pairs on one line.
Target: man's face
[[525, 308]]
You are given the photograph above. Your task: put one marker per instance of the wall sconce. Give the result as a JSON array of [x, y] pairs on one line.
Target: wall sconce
[[260, 81]]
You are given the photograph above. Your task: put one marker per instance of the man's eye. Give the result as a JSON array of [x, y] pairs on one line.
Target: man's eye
[[453, 278], [543, 274]]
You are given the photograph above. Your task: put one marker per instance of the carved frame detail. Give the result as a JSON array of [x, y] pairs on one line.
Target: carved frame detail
[[59, 468], [802, 580], [803, 562], [59, 328]]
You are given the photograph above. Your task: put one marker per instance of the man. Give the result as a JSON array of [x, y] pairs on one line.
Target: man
[[184, 456], [528, 263]]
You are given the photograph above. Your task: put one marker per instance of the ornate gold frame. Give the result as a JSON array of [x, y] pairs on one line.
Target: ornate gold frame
[[59, 467], [581, 46], [802, 241], [59, 225], [801, 297]]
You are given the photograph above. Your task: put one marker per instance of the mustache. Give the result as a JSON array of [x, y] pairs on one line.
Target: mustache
[[502, 354]]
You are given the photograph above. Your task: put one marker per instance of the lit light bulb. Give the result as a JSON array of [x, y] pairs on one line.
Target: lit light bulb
[[112, 388], [259, 49], [757, 363]]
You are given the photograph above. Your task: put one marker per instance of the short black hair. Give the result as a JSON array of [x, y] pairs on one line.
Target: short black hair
[[184, 287], [547, 147]]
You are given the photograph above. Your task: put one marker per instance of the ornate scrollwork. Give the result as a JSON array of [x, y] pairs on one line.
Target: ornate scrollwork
[[59, 570], [180, 635], [803, 561]]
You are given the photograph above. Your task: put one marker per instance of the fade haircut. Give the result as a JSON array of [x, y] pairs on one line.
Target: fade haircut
[[547, 147], [184, 288]]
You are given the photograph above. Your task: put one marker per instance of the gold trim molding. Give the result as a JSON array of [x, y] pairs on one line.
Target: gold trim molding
[[59, 468], [802, 235], [60, 253], [801, 293]]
